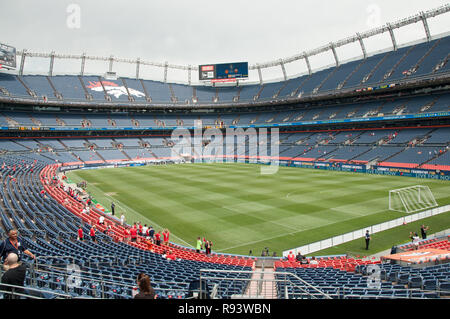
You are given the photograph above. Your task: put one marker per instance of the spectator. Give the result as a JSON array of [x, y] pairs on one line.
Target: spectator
[[149, 244], [140, 228], [207, 247], [415, 240], [367, 238], [122, 219], [145, 289], [14, 245], [151, 232], [170, 255], [423, 231], [126, 235], [92, 234], [108, 230], [299, 257], [145, 230], [313, 261], [101, 220], [158, 238], [133, 233], [166, 234], [199, 245], [291, 256], [14, 275], [80, 233]]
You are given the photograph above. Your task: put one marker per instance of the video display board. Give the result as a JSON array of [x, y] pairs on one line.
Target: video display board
[[7, 56], [236, 70]]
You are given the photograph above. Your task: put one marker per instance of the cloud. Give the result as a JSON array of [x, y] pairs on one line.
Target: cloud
[[196, 31]]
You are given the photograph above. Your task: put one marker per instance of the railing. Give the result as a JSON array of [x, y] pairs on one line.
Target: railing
[[19, 292], [237, 284], [114, 259], [360, 233], [71, 278]]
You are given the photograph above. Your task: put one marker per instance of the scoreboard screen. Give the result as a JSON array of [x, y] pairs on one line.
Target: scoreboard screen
[[7, 56], [223, 71]]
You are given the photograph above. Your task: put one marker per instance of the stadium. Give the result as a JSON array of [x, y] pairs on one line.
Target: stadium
[[309, 185]]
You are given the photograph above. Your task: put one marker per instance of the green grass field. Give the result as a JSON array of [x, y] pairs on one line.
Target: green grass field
[[240, 209]]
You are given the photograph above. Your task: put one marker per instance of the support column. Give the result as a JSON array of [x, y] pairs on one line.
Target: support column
[[259, 74], [166, 64], [333, 49], [52, 60], [283, 69], [391, 32], [22, 62], [307, 63], [363, 47], [111, 61], [425, 26], [83, 63], [189, 74], [138, 63]]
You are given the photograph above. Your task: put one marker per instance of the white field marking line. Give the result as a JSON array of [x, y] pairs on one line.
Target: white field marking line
[[285, 234], [119, 203]]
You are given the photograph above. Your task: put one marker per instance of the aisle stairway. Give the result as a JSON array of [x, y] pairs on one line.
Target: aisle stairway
[[262, 285]]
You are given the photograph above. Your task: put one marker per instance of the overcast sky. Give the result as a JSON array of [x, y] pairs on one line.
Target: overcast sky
[[193, 32]]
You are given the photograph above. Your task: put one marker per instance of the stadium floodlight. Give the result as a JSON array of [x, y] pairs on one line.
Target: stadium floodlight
[[411, 199]]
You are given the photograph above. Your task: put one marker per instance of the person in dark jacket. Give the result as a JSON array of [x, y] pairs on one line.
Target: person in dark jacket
[[14, 275]]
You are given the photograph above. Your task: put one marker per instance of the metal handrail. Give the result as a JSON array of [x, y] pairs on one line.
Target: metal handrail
[[36, 264], [82, 275], [286, 274], [139, 259], [102, 256], [13, 292]]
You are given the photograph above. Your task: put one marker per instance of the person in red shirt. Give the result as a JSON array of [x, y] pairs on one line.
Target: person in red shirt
[[133, 233], [158, 238], [291, 257], [166, 237], [80, 233], [126, 233], [92, 234], [171, 255]]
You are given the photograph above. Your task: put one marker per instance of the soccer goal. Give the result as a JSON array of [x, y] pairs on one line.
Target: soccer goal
[[411, 199]]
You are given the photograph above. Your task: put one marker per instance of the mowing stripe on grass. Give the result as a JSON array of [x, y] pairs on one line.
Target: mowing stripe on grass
[[236, 207]]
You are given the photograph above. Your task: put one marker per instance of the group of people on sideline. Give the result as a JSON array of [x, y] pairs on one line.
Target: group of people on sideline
[[203, 244]]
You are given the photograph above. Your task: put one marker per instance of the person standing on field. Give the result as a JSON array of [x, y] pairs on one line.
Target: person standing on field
[[367, 238]]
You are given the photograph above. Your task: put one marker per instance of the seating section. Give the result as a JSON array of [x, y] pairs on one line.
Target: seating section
[[48, 217], [419, 60], [419, 147], [395, 281], [400, 106], [49, 226]]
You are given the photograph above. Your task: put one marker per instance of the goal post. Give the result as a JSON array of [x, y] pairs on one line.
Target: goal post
[[411, 199]]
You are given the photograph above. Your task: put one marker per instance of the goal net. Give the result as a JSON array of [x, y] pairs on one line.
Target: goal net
[[411, 199]]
